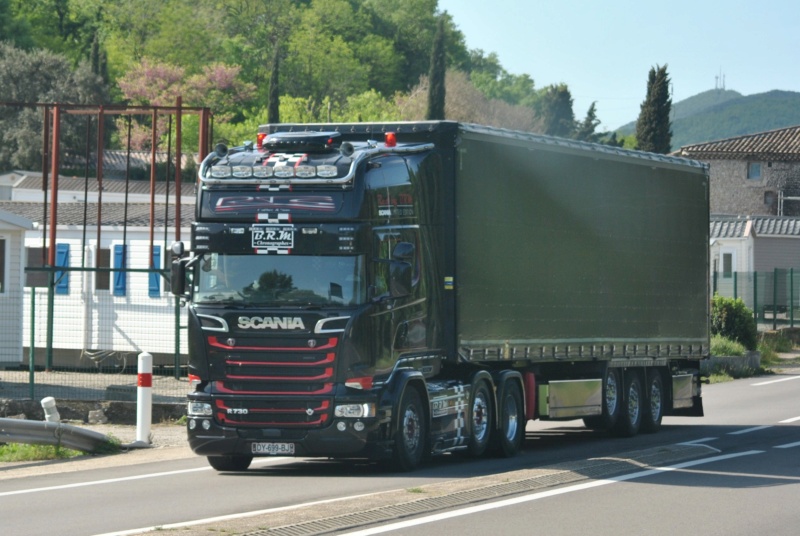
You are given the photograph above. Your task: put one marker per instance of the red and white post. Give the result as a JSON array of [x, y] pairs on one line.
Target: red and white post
[[144, 398]]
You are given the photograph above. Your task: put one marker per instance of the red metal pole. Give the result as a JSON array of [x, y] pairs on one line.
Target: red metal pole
[[153, 141], [100, 151], [54, 154], [178, 117]]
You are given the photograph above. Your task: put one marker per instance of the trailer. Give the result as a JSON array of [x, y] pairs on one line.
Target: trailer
[[394, 290]]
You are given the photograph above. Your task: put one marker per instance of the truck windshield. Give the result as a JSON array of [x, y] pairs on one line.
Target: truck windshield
[[278, 280]]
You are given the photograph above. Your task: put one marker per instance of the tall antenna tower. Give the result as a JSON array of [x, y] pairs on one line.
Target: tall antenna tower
[[719, 81]]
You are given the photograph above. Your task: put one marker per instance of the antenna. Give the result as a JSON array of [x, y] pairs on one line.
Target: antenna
[[719, 80]]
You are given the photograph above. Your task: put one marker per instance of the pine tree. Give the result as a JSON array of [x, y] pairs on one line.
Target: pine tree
[[436, 90], [586, 129], [653, 128]]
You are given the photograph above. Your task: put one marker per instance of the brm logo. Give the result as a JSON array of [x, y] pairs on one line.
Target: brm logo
[[271, 322]]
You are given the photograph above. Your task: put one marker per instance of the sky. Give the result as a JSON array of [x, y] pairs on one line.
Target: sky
[[604, 49]]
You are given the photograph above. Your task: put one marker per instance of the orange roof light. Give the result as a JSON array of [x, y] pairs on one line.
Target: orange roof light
[[390, 139]]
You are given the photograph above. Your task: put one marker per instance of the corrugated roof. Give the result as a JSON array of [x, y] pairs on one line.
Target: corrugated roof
[[138, 214], [781, 145], [736, 226], [33, 181]]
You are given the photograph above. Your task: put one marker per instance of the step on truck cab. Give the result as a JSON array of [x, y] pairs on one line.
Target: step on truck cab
[[389, 291]]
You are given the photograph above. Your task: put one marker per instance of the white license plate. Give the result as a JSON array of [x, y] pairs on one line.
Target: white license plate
[[272, 449]]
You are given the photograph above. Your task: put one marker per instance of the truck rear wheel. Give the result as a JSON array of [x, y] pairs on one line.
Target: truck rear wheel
[[230, 463], [510, 432], [630, 418], [611, 403], [410, 434], [480, 419], [654, 403]]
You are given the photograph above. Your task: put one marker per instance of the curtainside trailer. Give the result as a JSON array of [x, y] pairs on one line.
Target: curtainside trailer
[[394, 290]]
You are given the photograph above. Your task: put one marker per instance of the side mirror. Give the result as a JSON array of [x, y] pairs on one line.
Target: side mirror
[[399, 279], [178, 277]]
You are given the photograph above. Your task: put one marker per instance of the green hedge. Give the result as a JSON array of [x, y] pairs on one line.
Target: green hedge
[[732, 319]]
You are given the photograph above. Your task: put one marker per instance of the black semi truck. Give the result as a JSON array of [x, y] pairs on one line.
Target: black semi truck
[[390, 291]]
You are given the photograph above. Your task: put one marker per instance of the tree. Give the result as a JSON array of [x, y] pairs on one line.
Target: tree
[[274, 98], [40, 76], [14, 30], [586, 129], [436, 87], [653, 127], [554, 108]]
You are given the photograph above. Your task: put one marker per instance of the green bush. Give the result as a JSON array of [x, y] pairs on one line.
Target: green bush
[[733, 320], [722, 346]]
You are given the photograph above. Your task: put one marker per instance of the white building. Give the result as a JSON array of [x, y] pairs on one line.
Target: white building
[[12, 237]]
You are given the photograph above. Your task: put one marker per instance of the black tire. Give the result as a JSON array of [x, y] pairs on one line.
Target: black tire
[[410, 434], [233, 462], [612, 403], [510, 433], [480, 419], [654, 399], [630, 418]]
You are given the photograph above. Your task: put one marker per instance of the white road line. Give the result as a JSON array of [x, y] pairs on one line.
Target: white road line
[[699, 441], [748, 430], [793, 419], [788, 445], [542, 495], [437, 517], [116, 480], [775, 381]]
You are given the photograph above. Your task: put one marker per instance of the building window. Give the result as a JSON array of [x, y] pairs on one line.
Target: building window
[[754, 171], [727, 265], [36, 258], [102, 278], [2, 265]]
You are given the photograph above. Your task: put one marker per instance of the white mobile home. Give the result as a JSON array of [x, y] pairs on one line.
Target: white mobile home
[[12, 237]]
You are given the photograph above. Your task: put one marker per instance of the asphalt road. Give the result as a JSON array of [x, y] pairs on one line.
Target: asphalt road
[[757, 421]]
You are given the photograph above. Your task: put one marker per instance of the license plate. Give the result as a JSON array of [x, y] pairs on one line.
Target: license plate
[[272, 449]]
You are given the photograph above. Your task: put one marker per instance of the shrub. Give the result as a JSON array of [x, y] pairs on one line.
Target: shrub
[[733, 320], [722, 346]]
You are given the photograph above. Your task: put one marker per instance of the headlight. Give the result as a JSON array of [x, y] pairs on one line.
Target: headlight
[[283, 172], [199, 409], [355, 411], [220, 172], [305, 171], [242, 171]]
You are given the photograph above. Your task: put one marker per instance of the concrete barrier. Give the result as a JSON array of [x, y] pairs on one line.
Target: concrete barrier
[[733, 365]]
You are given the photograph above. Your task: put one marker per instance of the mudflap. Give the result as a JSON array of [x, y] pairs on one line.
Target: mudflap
[[695, 411]]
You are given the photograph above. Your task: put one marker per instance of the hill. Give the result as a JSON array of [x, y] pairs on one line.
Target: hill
[[719, 114]]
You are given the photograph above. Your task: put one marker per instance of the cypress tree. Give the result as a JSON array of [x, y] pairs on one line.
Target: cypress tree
[[273, 106], [653, 127], [436, 90]]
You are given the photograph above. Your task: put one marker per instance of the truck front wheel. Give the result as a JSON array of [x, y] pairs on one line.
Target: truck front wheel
[[410, 434], [230, 463]]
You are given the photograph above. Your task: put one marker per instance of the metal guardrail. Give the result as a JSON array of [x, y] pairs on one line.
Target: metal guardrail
[[52, 433]]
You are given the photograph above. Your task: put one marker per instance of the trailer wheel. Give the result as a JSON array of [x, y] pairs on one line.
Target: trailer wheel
[[409, 437], [654, 403], [230, 463], [480, 419], [507, 442], [630, 418], [611, 403]]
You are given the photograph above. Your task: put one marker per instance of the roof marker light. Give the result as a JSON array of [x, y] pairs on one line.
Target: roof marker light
[[390, 140]]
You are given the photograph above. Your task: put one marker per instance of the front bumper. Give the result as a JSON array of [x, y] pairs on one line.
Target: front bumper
[[335, 440]]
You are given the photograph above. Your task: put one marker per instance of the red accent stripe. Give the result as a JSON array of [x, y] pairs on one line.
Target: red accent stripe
[[144, 380], [324, 376], [329, 357], [327, 388], [213, 341]]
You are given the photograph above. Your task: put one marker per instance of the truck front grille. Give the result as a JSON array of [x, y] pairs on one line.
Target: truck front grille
[[274, 383]]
